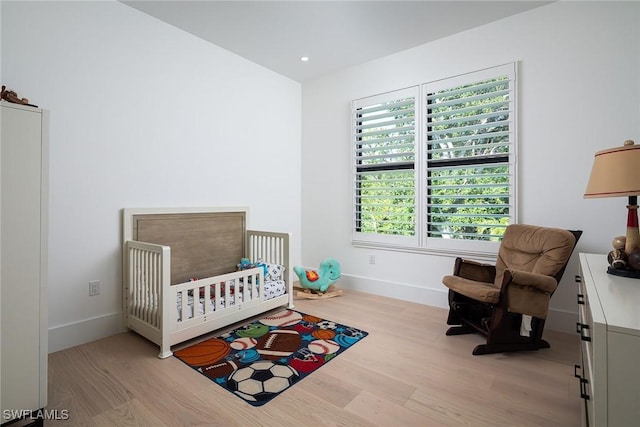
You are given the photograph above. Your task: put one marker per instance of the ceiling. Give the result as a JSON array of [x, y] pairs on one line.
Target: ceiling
[[333, 34]]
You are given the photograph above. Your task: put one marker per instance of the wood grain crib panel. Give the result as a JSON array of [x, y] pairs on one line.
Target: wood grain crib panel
[[202, 245]]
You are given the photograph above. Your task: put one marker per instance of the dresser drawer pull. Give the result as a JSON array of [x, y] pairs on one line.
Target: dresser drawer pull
[[578, 279], [580, 328], [583, 388], [575, 371], [580, 299]]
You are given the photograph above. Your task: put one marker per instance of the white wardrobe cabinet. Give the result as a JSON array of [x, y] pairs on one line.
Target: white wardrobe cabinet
[[23, 261]]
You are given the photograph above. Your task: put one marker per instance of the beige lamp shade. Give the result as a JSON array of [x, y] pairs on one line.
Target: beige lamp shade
[[615, 172]]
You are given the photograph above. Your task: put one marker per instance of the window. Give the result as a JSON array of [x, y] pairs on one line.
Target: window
[[434, 166], [385, 166]]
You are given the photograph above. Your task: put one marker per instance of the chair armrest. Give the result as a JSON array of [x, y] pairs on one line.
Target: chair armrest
[[528, 293], [473, 270], [540, 282]]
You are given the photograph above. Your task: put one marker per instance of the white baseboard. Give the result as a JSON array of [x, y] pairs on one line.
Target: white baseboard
[[84, 331], [397, 290], [561, 321]]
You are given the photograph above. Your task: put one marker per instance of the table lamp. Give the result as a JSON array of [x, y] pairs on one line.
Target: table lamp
[[616, 173]]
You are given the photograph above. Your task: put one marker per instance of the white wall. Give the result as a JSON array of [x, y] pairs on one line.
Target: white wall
[[579, 68], [143, 115]]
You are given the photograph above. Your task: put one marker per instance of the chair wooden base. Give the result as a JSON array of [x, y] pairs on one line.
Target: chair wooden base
[[500, 327], [507, 348], [528, 343], [460, 330]]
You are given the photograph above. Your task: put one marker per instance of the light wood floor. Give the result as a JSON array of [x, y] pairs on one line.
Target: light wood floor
[[405, 373]]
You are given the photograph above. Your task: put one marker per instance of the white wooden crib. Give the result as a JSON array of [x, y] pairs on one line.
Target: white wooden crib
[[180, 272]]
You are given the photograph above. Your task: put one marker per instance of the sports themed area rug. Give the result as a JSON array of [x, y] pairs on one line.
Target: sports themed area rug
[[262, 359]]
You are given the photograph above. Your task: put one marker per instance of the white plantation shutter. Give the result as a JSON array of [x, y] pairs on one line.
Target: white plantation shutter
[[469, 132], [434, 166], [384, 166]]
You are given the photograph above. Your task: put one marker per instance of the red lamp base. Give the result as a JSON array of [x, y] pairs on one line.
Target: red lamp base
[[633, 236]]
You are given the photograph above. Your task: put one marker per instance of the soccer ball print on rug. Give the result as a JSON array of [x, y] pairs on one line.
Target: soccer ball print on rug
[[262, 359]]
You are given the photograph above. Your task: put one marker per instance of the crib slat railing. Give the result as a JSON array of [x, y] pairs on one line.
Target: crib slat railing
[[256, 291], [156, 288], [271, 247], [268, 246], [195, 296], [247, 289], [206, 292], [228, 291], [146, 272]]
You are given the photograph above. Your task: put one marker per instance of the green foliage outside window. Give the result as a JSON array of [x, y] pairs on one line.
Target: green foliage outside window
[[387, 203]]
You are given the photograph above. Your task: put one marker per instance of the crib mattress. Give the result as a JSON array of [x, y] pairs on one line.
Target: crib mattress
[[270, 289]]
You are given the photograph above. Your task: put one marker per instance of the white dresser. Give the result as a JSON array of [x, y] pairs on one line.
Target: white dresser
[[23, 260], [609, 328]]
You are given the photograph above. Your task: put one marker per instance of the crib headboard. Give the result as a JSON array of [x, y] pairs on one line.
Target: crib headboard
[[203, 242]]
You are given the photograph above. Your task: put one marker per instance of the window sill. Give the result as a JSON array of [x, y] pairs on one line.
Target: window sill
[[449, 253]]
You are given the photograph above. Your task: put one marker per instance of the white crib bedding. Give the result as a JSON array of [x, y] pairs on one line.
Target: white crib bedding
[[270, 289]]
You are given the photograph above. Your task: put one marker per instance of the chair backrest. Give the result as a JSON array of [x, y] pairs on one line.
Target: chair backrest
[[535, 249]]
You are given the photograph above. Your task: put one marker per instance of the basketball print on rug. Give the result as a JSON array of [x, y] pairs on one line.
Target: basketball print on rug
[[260, 360]]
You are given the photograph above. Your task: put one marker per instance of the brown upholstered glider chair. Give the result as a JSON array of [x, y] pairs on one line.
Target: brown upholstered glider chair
[[509, 302]]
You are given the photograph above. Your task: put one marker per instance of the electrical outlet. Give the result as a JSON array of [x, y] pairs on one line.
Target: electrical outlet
[[372, 259], [94, 288]]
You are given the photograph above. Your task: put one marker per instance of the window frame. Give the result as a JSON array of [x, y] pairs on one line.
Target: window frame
[[420, 242]]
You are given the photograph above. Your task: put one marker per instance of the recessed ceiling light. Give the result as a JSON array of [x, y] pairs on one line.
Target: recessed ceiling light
[[304, 58]]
